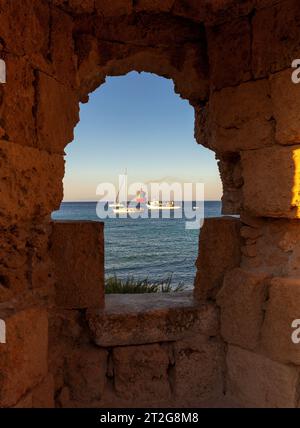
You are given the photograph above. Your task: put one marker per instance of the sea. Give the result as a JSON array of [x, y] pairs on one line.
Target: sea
[[153, 248]]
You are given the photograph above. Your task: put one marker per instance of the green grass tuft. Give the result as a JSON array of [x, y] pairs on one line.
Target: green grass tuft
[[131, 285]]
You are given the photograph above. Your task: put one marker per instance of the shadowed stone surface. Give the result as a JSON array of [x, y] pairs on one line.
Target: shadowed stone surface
[[148, 318], [77, 249], [256, 381], [219, 251]]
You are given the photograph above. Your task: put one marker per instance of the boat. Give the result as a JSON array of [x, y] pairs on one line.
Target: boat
[[159, 205], [117, 204], [127, 210]]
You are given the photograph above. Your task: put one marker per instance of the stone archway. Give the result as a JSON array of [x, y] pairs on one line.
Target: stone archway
[[231, 60]]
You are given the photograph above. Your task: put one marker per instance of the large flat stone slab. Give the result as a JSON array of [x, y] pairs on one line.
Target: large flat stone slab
[[133, 319]]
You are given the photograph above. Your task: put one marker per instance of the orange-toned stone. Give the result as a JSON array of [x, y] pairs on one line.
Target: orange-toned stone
[[276, 36], [229, 47], [286, 104], [77, 250], [153, 5], [240, 117], [25, 402], [219, 251], [23, 358], [198, 370], [86, 373], [276, 250], [27, 185], [281, 310], [57, 114], [256, 381], [17, 101], [242, 299], [272, 181], [133, 319], [76, 6], [113, 8], [43, 394], [141, 373]]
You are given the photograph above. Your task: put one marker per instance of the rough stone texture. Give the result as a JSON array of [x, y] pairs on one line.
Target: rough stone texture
[[275, 246], [230, 59], [17, 101], [141, 319], [273, 191], [286, 105], [78, 254], [86, 374], [229, 48], [23, 358], [219, 251], [198, 370], [232, 179], [242, 299], [57, 114], [24, 172], [25, 402], [251, 128], [141, 373], [43, 394], [276, 36], [281, 310], [256, 381]]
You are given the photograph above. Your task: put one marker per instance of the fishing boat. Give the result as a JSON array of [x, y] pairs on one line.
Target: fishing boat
[[159, 205]]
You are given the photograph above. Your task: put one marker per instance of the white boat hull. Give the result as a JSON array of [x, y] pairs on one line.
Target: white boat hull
[[159, 208], [127, 210]]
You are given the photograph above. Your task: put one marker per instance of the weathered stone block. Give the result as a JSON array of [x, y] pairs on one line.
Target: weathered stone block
[[76, 6], [27, 187], [240, 118], [242, 300], [198, 370], [32, 18], [286, 104], [17, 102], [229, 49], [276, 36], [153, 5], [64, 60], [272, 181], [232, 180], [140, 319], [256, 381], [25, 402], [86, 373], [113, 8], [281, 310], [23, 358], [57, 114], [276, 248], [43, 394], [219, 251], [77, 250], [141, 373]]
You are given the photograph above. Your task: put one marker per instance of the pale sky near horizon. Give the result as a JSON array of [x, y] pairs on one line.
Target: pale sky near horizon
[[139, 123]]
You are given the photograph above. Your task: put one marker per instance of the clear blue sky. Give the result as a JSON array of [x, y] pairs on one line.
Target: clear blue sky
[[139, 123]]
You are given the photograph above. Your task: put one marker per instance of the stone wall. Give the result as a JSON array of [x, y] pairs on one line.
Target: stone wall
[[231, 60]]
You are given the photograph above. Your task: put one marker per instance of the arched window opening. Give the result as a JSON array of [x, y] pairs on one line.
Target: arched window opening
[[136, 126]]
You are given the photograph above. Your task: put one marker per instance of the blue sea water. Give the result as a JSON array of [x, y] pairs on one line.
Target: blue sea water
[[145, 247]]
